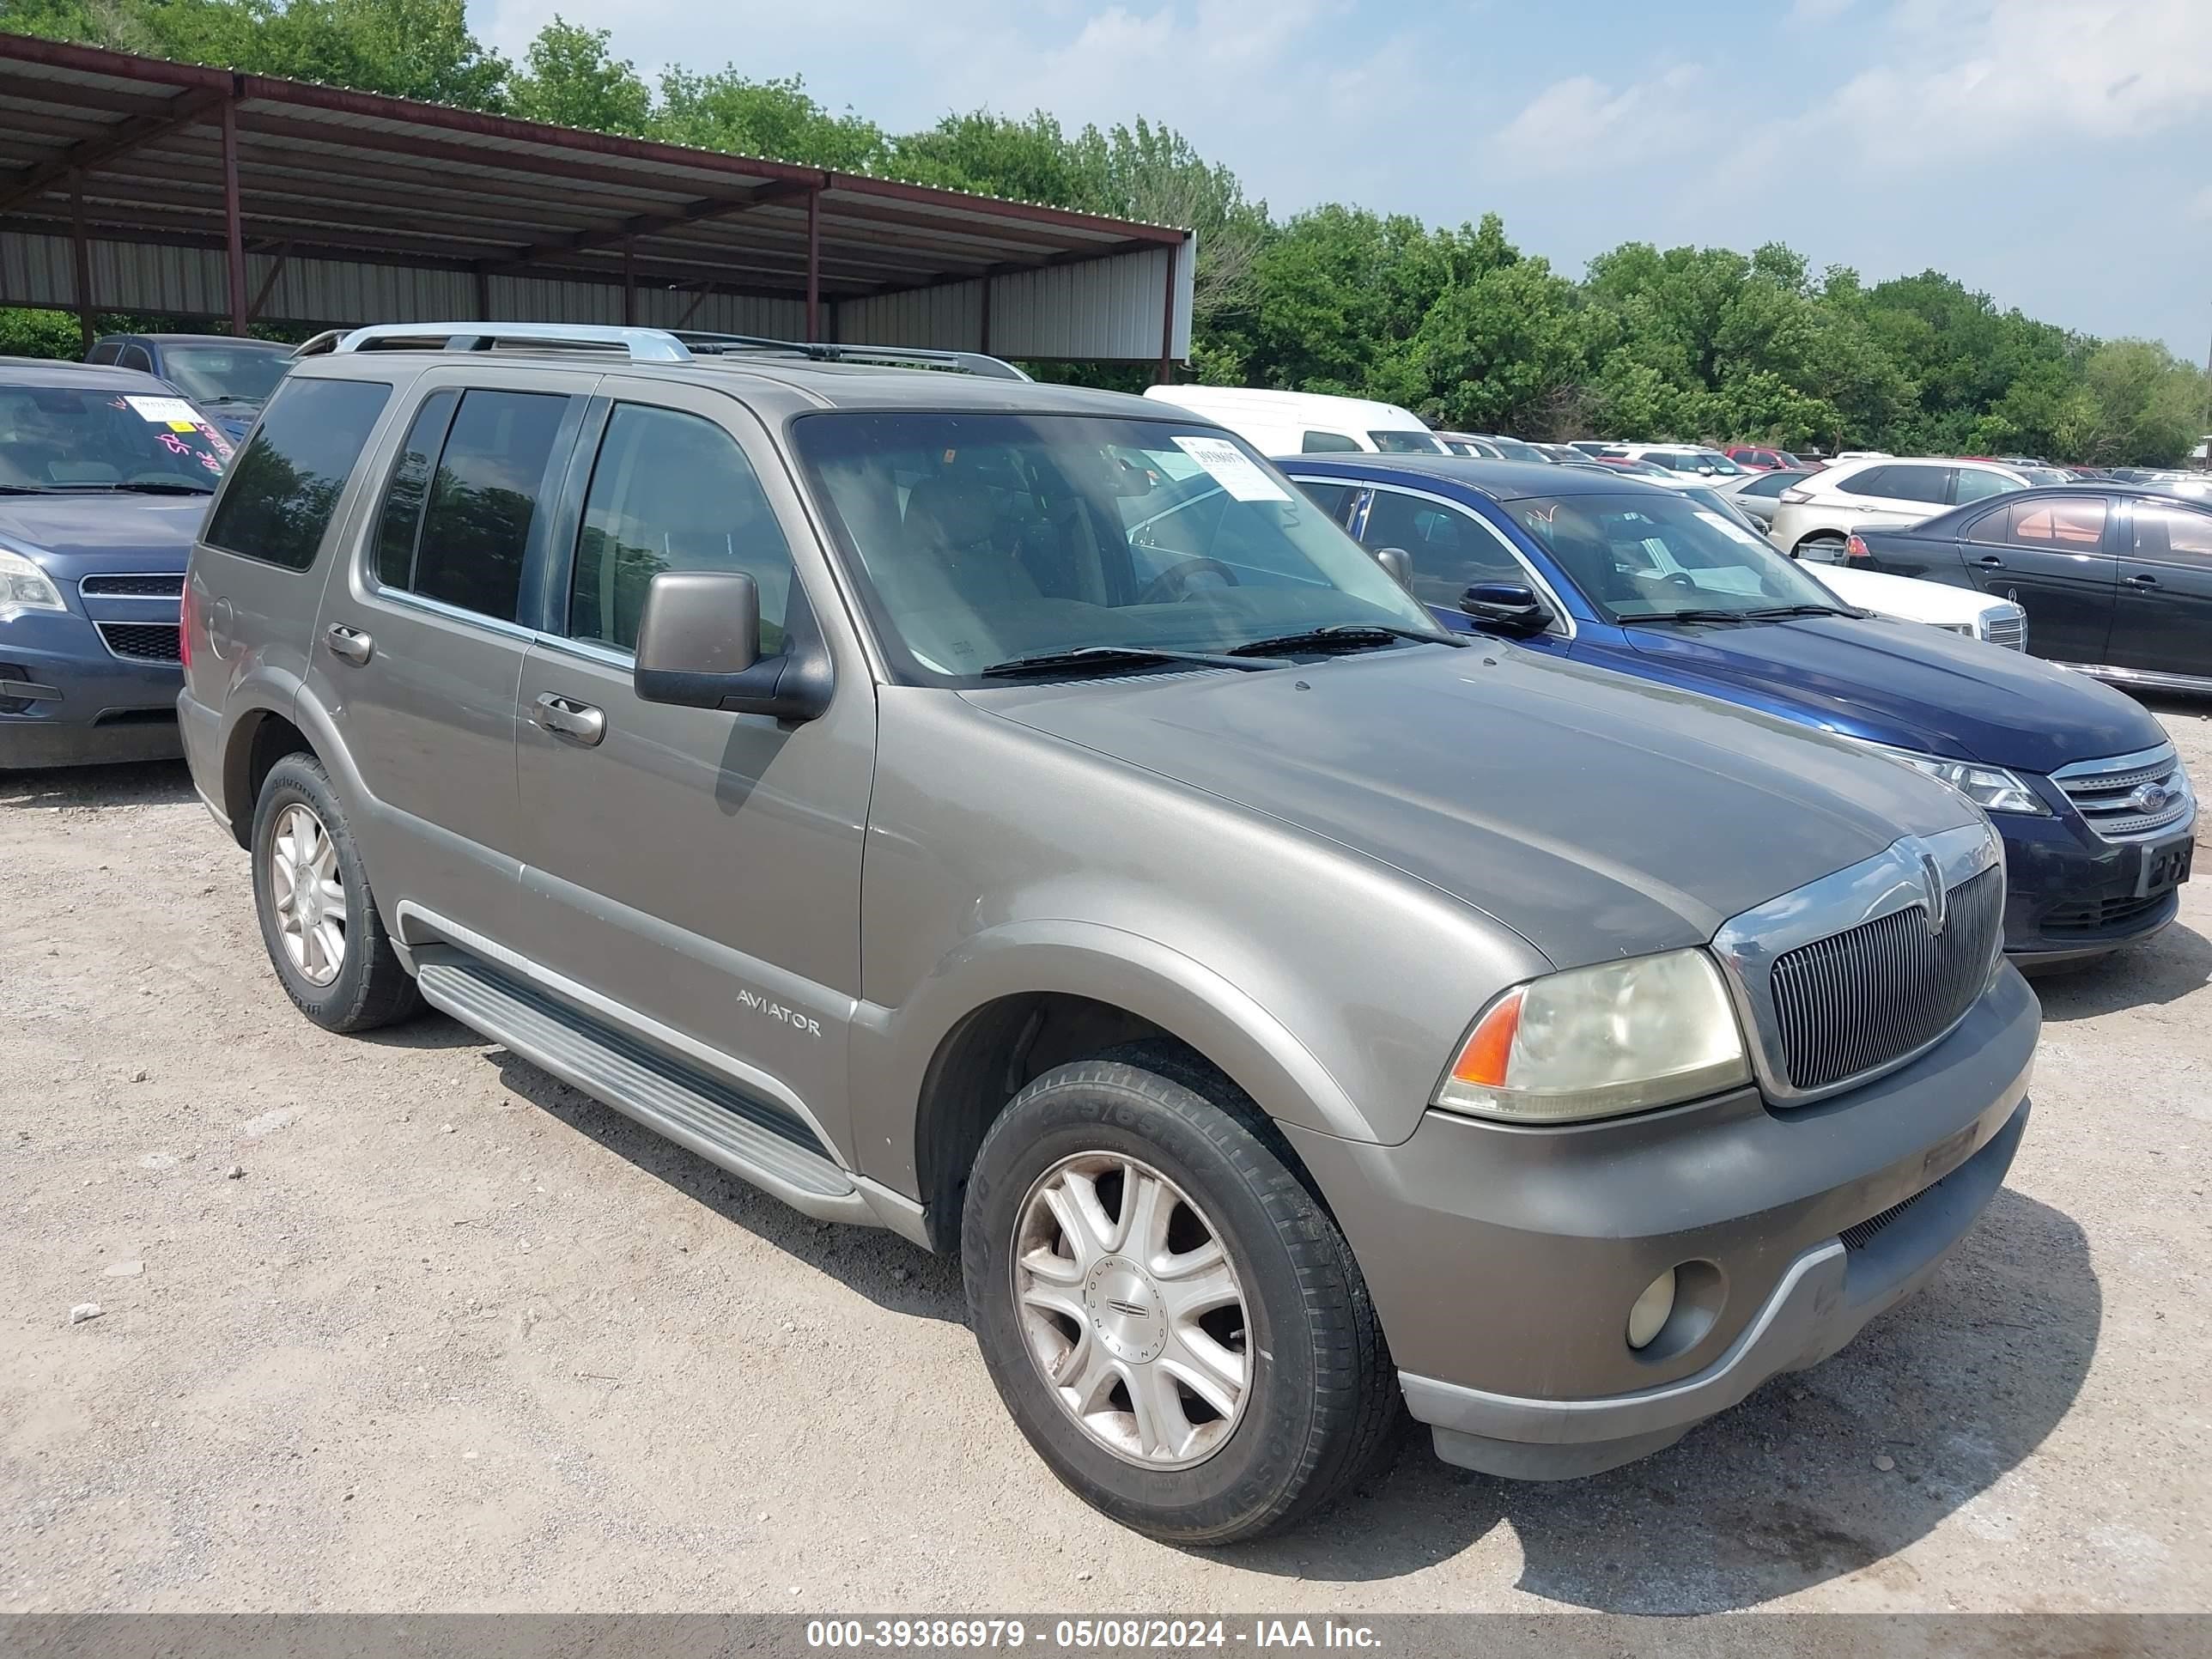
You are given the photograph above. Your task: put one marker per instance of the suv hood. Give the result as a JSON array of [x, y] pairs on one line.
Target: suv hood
[[1596, 816], [82, 535], [1901, 683]]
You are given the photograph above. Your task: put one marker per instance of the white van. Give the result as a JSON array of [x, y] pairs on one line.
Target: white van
[[1304, 423]]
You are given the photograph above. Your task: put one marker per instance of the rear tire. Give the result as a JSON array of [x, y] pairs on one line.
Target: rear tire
[[319, 918], [1206, 1429]]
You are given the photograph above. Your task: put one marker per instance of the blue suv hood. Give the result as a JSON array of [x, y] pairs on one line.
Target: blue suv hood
[[1897, 683], [81, 535]]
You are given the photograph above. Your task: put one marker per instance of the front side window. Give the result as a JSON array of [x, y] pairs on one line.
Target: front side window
[[1334, 498], [2173, 533], [1449, 550], [979, 539], [286, 483], [2073, 525], [1329, 443], [672, 491], [1651, 557], [483, 501], [399, 524], [1393, 441], [137, 357]]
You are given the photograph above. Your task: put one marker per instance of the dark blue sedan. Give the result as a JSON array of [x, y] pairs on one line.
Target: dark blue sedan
[[105, 477], [2097, 814]]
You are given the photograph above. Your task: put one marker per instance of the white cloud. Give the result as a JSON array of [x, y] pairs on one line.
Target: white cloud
[[1580, 123]]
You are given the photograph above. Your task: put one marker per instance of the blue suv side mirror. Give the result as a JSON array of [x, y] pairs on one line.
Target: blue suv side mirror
[[1509, 607]]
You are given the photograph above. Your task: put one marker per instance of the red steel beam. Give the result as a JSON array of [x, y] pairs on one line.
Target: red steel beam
[[83, 249], [269, 282], [88, 154], [233, 220], [814, 264], [647, 224]]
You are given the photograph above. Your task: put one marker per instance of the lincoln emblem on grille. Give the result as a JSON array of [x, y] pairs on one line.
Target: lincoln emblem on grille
[[1938, 902]]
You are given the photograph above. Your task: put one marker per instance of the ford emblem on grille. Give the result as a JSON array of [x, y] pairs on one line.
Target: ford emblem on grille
[[1937, 901]]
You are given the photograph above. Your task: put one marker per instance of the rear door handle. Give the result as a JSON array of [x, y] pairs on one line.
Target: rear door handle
[[2140, 580], [567, 718], [1990, 562], [349, 643]]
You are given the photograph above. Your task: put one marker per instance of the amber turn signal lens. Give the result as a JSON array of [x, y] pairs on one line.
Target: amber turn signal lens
[[1490, 1045]]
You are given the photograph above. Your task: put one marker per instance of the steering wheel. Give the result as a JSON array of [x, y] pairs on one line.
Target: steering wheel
[[1173, 582]]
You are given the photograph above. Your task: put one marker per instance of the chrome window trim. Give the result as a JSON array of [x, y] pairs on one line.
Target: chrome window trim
[[1893, 879], [407, 600], [1559, 611]]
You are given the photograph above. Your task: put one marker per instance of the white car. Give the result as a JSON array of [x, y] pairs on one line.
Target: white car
[[1305, 423], [1954, 609], [1694, 463], [1814, 516]]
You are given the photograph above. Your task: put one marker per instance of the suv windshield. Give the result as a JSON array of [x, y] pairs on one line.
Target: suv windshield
[[1397, 440], [222, 373], [985, 539], [1654, 555], [68, 437]]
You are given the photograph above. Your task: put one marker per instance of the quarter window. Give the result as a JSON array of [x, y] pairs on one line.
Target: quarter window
[[1902, 484], [1973, 484], [1327, 443], [484, 501], [672, 491], [399, 526], [281, 492]]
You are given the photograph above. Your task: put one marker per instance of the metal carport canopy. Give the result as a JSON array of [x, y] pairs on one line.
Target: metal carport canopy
[[136, 184]]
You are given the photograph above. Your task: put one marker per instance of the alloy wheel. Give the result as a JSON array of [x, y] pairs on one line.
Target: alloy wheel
[[309, 897]]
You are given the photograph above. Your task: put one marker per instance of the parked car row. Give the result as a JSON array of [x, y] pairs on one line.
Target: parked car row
[[1217, 901]]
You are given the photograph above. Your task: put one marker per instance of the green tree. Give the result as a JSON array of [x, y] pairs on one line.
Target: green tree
[[570, 79], [778, 120]]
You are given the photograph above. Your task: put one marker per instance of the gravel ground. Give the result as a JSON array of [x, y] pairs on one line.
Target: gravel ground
[[458, 1338]]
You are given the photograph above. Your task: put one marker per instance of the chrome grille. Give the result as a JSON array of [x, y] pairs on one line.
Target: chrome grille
[[2007, 626], [2130, 797], [142, 641], [140, 587], [1864, 998]]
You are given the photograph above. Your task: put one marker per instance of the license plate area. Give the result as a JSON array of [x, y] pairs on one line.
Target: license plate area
[[2165, 866]]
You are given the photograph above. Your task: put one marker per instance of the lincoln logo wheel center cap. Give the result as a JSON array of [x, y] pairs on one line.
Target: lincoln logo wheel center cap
[[1125, 1311]]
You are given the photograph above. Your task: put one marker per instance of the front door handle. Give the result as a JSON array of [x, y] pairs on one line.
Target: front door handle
[[349, 643], [1990, 562], [567, 718], [2140, 580]]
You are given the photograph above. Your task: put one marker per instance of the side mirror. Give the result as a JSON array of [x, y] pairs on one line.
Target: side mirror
[[1397, 564], [1705, 472], [698, 647], [1509, 607]]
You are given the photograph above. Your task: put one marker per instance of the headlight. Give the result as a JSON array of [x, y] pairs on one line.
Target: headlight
[[24, 587], [1989, 787], [1621, 1036]]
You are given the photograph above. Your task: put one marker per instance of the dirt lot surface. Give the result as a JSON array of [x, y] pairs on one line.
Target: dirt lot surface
[[458, 1338]]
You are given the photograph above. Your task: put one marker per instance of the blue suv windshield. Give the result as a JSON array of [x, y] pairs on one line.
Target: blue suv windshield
[[71, 437], [1654, 555]]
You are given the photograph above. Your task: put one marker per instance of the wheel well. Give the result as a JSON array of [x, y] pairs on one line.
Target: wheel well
[[986, 1060], [1816, 537], [259, 743]]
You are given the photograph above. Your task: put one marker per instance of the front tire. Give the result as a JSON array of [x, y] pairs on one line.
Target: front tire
[[1176, 1324], [319, 920]]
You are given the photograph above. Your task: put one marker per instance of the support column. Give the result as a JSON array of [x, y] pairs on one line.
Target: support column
[[483, 296], [233, 224], [83, 261], [1166, 374], [984, 345], [814, 264], [630, 282]]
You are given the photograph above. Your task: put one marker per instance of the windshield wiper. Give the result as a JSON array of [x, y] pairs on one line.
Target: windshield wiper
[[1763, 613], [26, 489], [1353, 636], [151, 489], [1112, 656], [1775, 611]]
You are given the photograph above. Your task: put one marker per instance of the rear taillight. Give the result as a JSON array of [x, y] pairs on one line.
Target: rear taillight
[[1795, 495], [185, 626], [1855, 549]]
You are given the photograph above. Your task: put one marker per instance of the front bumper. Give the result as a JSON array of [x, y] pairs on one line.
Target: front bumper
[[1504, 1260], [2072, 896], [84, 704]]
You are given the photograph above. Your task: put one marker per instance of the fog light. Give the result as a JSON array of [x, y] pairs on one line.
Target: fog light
[[1652, 1309]]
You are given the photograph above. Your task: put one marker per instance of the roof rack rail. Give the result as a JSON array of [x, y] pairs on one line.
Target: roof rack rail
[[640, 345]]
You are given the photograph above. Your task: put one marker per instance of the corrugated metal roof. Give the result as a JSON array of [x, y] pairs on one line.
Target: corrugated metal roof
[[355, 207]]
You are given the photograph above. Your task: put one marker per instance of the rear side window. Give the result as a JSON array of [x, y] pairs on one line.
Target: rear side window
[[672, 491], [2077, 526], [278, 500], [482, 503], [1974, 484], [2168, 532], [1899, 483], [399, 526], [136, 357], [105, 352], [1334, 498], [1329, 443]]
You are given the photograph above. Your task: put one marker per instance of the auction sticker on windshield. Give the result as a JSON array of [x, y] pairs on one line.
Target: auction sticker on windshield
[[1734, 532], [166, 412], [1232, 469]]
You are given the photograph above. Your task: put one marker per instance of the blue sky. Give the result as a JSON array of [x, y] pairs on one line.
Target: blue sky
[[2056, 153]]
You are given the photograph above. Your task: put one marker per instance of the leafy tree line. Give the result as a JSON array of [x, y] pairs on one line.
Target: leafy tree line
[[1458, 324]]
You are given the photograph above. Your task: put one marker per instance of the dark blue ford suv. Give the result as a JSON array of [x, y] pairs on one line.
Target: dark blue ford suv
[[105, 477], [2097, 814]]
